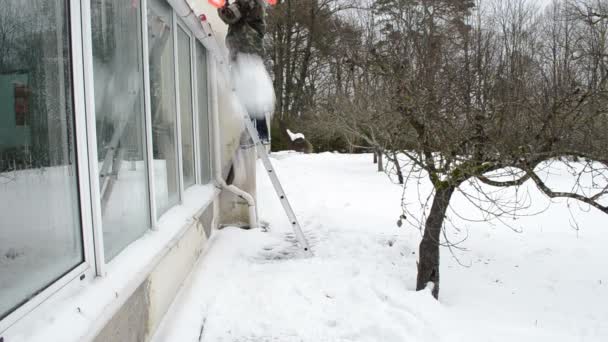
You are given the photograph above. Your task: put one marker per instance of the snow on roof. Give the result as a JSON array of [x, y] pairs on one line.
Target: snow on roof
[[295, 136]]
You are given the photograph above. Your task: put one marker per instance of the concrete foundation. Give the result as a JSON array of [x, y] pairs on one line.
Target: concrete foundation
[[140, 316]]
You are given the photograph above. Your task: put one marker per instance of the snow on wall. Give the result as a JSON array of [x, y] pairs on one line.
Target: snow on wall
[[167, 278]]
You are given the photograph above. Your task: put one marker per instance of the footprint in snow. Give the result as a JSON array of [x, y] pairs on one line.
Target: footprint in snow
[[289, 250]]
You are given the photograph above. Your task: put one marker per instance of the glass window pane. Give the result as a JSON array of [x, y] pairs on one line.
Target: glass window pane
[[117, 43], [162, 96], [185, 105], [203, 112], [40, 230]]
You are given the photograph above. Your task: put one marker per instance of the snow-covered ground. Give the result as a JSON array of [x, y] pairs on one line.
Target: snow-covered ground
[[546, 283]]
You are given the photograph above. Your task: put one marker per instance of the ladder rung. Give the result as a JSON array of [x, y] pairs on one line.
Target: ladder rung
[[277, 185]]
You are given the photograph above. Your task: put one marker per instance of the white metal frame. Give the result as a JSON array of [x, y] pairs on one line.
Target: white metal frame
[[83, 97], [199, 153], [89, 86], [177, 137], [208, 114], [195, 111], [180, 25], [147, 124], [178, 121], [148, 116], [83, 271], [81, 134], [211, 92]]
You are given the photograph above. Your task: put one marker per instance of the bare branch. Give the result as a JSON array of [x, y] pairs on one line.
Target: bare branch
[[556, 194]]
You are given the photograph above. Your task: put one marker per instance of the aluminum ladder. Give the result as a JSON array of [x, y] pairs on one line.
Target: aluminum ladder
[[278, 188], [114, 155]]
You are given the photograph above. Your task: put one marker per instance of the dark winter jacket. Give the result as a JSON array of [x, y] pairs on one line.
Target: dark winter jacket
[[246, 27]]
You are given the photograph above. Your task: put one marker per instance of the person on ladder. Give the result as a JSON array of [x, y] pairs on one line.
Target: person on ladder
[[245, 39], [246, 29]]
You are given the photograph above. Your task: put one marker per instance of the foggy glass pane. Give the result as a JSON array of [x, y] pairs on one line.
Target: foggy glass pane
[[203, 112], [40, 229], [119, 107], [185, 105], [162, 96]]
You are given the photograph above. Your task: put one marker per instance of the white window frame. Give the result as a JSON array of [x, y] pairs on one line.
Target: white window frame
[[85, 270], [148, 117], [83, 98], [212, 91], [179, 24], [195, 113], [178, 121], [198, 113], [177, 128], [89, 86], [100, 263]]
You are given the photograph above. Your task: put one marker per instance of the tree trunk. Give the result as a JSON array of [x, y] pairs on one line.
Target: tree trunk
[[398, 167], [428, 263], [375, 157], [380, 160]]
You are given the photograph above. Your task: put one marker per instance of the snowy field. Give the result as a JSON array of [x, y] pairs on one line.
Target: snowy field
[[548, 282]]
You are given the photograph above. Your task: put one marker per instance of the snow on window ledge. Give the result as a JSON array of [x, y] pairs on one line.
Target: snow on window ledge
[[80, 310]]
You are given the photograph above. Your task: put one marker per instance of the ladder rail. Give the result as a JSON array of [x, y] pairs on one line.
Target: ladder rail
[[110, 167], [293, 220]]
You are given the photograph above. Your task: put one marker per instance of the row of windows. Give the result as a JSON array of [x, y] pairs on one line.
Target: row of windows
[[42, 228]]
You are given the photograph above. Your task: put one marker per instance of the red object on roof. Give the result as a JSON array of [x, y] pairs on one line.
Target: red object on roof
[[217, 3], [272, 2]]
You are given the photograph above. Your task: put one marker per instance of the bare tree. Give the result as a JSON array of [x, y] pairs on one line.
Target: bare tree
[[486, 94]]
